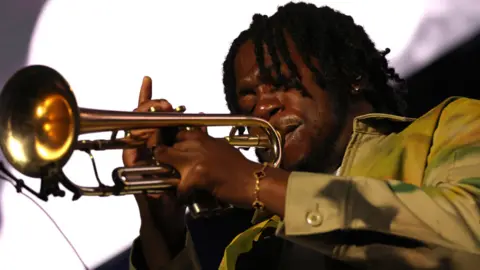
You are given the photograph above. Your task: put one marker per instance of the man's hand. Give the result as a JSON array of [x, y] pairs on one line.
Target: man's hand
[[211, 164], [152, 136], [162, 231]]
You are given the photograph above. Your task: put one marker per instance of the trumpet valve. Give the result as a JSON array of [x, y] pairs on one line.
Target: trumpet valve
[[180, 109]]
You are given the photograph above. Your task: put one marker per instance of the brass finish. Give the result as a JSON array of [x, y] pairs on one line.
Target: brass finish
[[40, 123]]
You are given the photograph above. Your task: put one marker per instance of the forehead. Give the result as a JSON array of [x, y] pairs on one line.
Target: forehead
[[245, 63]]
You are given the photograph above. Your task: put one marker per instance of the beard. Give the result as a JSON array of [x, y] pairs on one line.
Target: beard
[[322, 158]]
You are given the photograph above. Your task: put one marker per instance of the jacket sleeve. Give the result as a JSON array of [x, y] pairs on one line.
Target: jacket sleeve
[[185, 260], [442, 212]]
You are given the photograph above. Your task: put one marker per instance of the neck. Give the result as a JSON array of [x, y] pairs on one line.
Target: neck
[[357, 109]]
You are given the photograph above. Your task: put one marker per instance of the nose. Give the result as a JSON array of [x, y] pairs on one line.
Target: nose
[[268, 105]]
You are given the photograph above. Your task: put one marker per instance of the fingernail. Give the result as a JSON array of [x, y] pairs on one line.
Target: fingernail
[[154, 196]]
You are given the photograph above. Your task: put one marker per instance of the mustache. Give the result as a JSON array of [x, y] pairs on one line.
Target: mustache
[[287, 123]]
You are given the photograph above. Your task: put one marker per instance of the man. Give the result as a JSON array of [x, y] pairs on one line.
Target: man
[[359, 187]]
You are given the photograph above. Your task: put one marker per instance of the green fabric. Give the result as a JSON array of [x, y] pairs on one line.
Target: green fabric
[[244, 242]]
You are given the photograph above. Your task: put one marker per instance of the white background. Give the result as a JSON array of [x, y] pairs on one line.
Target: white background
[[104, 48]]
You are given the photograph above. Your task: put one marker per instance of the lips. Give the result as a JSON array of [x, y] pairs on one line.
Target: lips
[[287, 126], [291, 131], [292, 135]]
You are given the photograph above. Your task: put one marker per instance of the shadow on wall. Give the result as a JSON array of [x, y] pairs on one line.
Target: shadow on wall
[[17, 21]]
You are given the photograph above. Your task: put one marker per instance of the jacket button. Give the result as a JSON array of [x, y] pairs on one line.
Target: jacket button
[[314, 219]]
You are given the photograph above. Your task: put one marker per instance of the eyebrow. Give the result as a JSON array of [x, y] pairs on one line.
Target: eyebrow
[[272, 70], [264, 78]]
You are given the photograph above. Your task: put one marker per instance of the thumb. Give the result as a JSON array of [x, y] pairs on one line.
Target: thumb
[[129, 157], [132, 156], [145, 90]]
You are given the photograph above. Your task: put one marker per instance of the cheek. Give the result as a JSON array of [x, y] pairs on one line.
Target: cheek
[[247, 103], [319, 115], [319, 123], [293, 99]]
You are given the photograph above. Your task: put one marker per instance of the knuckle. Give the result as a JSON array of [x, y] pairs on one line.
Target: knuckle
[[180, 146], [138, 132], [192, 134], [161, 105], [159, 150], [192, 145], [142, 107], [158, 104], [128, 158], [200, 169], [187, 145], [198, 144], [198, 133], [163, 102]]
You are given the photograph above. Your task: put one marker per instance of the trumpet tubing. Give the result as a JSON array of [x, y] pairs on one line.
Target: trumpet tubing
[[40, 123], [99, 121]]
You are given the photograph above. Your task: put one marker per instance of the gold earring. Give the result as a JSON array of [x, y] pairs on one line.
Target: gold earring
[[356, 89]]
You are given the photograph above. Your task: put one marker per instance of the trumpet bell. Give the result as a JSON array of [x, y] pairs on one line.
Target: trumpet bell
[[39, 121]]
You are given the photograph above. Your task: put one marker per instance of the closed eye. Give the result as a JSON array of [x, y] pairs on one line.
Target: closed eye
[[296, 85], [284, 84]]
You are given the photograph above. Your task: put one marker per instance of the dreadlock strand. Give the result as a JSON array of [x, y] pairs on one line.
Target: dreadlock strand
[[259, 28], [272, 50], [280, 41]]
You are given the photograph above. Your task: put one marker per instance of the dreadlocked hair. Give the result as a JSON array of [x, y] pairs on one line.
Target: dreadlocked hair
[[343, 49]]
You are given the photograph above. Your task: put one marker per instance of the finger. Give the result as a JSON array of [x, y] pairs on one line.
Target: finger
[[188, 145], [145, 201], [145, 90], [155, 195], [129, 157], [142, 204], [133, 157], [141, 134], [171, 156], [186, 187], [204, 128], [160, 105], [195, 180], [185, 135]]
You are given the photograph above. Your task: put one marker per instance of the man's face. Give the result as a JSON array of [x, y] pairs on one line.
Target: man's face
[[301, 110]]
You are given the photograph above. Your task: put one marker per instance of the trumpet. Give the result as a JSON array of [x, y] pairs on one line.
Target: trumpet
[[40, 125]]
